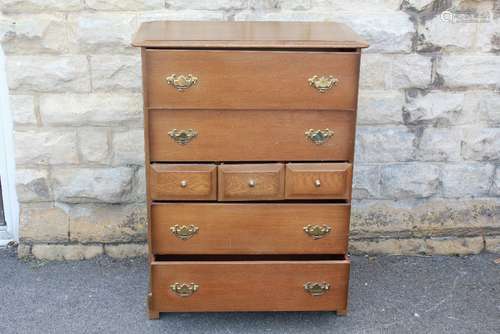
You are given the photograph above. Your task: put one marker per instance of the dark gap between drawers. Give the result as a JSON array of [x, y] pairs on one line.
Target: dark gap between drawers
[[286, 201], [260, 257], [262, 48], [244, 162]]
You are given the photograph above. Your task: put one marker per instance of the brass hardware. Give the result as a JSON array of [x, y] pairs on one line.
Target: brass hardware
[[251, 183], [182, 82], [184, 289], [323, 83], [319, 136], [182, 136], [184, 183], [317, 183], [316, 288], [184, 232], [317, 231]]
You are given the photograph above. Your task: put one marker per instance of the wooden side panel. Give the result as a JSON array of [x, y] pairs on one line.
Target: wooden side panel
[[318, 180], [250, 286], [251, 182], [183, 182], [250, 228], [251, 135], [252, 79]]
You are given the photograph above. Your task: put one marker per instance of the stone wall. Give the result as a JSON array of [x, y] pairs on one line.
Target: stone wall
[[427, 174]]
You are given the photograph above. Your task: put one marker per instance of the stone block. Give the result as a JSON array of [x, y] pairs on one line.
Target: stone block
[[43, 223], [92, 185], [128, 147], [410, 71], [366, 182], [219, 5], [469, 70], [379, 107], [492, 244], [375, 71], [32, 185], [471, 179], [22, 108], [437, 108], [414, 180], [124, 5], [440, 144], [180, 15], [91, 109], [35, 6], [44, 73], [486, 104], [495, 189], [47, 146], [108, 223], [55, 252], [94, 144], [377, 144], [116, 73], [481, 144], [122, 251]]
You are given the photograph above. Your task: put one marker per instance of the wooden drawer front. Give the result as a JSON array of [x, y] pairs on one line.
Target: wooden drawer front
[[251, 182], [318, 180], [250, 228], [248, 286], [183, 182], [258, 135], [250, 79]]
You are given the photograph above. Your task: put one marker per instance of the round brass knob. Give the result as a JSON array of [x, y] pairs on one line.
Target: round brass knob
[[251, 183], [184, 183], [317, 183]]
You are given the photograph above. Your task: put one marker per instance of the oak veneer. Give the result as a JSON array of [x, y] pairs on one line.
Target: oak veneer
[[241, 121]]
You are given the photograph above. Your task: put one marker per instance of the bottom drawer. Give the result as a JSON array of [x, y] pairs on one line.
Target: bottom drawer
[[277, 285]]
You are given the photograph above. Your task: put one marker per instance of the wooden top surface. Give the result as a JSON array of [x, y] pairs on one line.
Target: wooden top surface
[[244, 34]]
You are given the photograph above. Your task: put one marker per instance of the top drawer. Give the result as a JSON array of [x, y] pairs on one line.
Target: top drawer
[[251, 79]]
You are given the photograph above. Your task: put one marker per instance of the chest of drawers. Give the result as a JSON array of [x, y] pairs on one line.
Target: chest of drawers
[[249, 132]]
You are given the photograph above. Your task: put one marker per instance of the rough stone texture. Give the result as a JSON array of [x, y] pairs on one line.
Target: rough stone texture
[[492, 244], [426, 178], [440, 246], [94, 109], [126, 250], [466, 180], [108, 223], [88, 185], [43, 73], [43, 222], [129, 147], [33, 185], [56, 252], [416, 180], [47, 146], [23, 109], [94, 144]]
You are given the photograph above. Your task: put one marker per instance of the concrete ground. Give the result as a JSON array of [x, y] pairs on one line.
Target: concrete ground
[[387, 295]]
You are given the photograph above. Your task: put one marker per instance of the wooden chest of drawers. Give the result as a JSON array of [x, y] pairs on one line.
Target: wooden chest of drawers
[[249, 131]]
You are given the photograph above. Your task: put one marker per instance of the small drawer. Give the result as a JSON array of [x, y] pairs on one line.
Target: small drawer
[[251, 182], [249, 285], [249, 228], [318, 180], [183, 182]]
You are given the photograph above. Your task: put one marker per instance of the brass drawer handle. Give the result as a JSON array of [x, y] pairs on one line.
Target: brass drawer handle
[[182, 136], [182, 82], [184, 232], [323, 83], [184, 289], [319, 136], [317, 231], [316, 288]]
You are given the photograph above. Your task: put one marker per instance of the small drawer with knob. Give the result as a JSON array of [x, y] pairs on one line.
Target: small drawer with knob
[[318, 181], [251, 182], [183, 181]]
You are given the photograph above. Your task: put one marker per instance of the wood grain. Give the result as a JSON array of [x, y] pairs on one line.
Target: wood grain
[[250, 286], [251, 182], [250, 228], [252, 79], [334, 180], [251, 135], [166, 182], [239, 34]]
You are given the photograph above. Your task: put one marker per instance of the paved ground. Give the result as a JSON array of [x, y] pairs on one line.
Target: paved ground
[[387, 295]]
